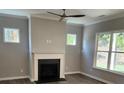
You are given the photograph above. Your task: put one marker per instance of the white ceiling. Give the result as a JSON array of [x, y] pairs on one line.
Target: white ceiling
[[92, 15]]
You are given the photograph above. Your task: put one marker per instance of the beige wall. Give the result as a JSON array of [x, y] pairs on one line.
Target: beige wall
[[14, 56], [88, 47], [44, 30], [73, 53]]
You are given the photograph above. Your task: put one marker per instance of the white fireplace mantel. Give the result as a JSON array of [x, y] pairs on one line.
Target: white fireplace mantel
[[37, 56]]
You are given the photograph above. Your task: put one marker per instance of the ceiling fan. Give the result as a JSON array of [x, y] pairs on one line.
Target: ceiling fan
[[64, 15]]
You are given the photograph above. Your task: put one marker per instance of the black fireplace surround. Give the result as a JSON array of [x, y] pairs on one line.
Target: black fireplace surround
[[48, 70]]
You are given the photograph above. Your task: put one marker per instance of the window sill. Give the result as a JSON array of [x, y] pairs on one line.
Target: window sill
[[115, 72]]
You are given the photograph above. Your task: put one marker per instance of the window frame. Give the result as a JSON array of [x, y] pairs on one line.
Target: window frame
[[109, 53], [4, 35]]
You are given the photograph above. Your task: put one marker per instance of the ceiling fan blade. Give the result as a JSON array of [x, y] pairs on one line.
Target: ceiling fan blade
[[54, 13], [75, 16], [61, 19]]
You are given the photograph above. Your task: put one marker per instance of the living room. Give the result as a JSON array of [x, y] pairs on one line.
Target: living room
[[38, 46]]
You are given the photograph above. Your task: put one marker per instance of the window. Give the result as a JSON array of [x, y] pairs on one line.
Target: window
[[103, 41], [71, 39], [110, 51], [117, 54], [11, 35]]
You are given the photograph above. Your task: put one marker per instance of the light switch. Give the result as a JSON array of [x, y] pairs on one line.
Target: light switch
[[48, 41]]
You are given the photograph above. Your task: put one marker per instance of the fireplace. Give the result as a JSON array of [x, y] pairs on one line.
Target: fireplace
[[42, 62], [48, 70]]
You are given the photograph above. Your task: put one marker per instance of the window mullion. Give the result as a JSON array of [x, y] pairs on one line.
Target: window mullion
[[96, 47], [110, 51]]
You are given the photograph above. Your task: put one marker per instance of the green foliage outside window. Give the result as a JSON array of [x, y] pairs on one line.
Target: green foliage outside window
[[120, 41], [71, 39], [104, 38]]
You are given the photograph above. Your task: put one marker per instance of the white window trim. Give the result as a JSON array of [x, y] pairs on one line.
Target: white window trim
[[109, 55]]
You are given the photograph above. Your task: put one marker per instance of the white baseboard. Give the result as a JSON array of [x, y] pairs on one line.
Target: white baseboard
[[12, 78], [74, 72], [31, 79], [97, 78]]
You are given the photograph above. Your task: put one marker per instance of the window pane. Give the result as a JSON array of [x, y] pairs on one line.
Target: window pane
[[102, 59], [103, 42], [118, 42], [117, 62], [71, 39], [11, 35]]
